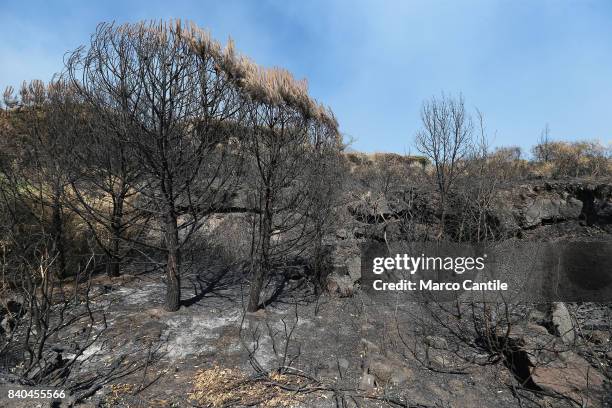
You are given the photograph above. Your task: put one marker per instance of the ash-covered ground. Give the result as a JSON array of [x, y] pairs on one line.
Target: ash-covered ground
[[348, 350]]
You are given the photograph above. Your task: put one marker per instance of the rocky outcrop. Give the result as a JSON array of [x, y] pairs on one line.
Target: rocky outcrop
[[339, 285], [562, 322], [528, 206], [526, 211], [516, 207], [382, 369], [388, 371], [345, 265], [436, 342], [544, 361], [544, 209], [573, 377]]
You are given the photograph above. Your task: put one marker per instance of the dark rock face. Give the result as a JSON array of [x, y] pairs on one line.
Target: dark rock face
[[550, 209], [547, 361], [516, 208], [597, 204], [535, 211], [530, 206]]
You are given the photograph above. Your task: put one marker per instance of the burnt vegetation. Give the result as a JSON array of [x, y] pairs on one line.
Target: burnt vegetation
[[158, 151]]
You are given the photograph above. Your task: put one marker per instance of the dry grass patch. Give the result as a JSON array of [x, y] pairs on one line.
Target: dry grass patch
[[225, 387], [118, 392], [125, 395]]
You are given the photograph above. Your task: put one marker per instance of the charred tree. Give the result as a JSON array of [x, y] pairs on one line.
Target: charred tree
[[169, 98]]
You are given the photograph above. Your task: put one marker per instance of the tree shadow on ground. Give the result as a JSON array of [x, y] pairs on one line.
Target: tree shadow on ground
[[211, 285]]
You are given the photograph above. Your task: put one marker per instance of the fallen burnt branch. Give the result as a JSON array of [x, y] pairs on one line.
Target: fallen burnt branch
[[120, 368], [231, 387], [315, 385]]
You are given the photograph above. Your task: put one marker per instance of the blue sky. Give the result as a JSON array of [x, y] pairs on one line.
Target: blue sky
[[522, 63]]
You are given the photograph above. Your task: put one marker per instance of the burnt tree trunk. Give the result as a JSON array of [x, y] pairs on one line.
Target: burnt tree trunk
[[113, 267], [256, 286], [173, 262], [57, 232], [318, 261], [263, 265]]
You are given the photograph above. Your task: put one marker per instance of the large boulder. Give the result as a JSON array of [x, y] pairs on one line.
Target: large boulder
[[541, 360], [346, 260], [340, 285], [436, 342], [353, 267], [573, 377], [562, 322], [388, 370], [367, 382], [550, 209]]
